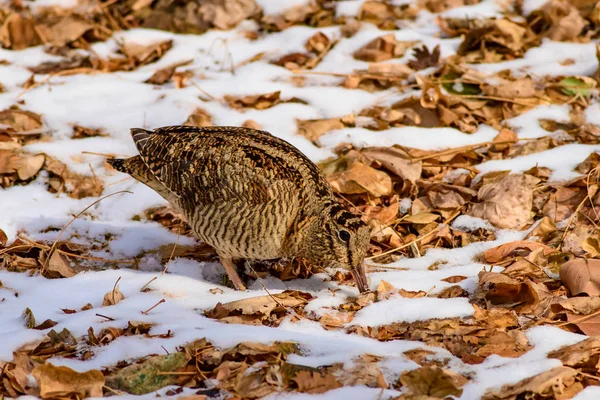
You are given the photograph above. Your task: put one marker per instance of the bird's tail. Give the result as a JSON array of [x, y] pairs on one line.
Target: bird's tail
[[118, 164]]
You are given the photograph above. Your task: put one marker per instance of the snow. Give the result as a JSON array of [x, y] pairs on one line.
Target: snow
[[412, 310], [116, 102]]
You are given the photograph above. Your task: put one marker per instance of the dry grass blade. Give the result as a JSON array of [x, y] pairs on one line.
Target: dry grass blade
[[53, 247]]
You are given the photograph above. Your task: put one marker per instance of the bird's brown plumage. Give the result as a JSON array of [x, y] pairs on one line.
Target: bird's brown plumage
[[248, 194]]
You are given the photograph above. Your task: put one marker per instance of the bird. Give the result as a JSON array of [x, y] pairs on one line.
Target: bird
[[250, 195]]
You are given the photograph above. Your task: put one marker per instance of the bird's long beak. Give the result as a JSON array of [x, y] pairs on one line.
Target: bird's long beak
[[360, 277]]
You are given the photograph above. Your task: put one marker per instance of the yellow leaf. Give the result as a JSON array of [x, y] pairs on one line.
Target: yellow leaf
[[63, 381]]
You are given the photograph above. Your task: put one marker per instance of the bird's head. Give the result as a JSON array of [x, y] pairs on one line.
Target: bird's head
[[338, 238]]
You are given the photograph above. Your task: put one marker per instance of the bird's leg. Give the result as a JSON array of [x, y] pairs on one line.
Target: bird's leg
[[232, 272]]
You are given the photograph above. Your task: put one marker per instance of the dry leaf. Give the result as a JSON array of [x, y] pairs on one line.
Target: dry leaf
[[506, 204], [199, 118], [433, 382], [20, 120], [315, 382], [18, 32], [63, 381], [360, 178], [59, 263], [61, 31], [548, 384], [113, 297], [518, 248], [395, 160], [315, 128], [581, 276]]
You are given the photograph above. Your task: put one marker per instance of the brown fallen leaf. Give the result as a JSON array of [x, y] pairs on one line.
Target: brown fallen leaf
[[360, 178], [73, 184], [113, 297], [60, 31], [518, 248], [63, 381], [506, 204], [578, 354], [548, 384], [18, 32], [433, 381], [396, 161], [199, 118], [313, 129], [581, 275], [259, 101], [315, 382], [382, 48], [424, 58], [566, 23], [20, 120], [59, 264]]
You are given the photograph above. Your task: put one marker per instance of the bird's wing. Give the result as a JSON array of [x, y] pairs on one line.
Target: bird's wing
[[206, 166]]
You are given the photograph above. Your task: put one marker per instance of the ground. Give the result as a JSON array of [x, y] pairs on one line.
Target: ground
[[464, 132]]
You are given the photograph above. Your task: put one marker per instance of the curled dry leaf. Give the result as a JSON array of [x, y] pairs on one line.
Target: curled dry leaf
[[360, 178], [506, 204], [20, 120], [18, 32], [394, 160], [63, 381], [313, 129], [518, 248], [566, 23], [59, 264], [548, 384], [581, 275], [315, 382], [113, 297], [61, 31], [578, 354], [259, 310], [199, 118], [433, 382], [382, 48], [259, 101]]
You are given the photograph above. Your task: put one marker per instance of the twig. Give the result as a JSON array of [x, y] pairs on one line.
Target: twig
[[153, 307], [172, 253], [148, 283], [177, 373], [578, 320], [417, 240], [53, 247], [104, 316], [263, 285], [115, 289], [210, 96], [65, 72]]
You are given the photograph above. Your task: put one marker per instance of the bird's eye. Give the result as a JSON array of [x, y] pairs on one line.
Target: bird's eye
[[344, 235]]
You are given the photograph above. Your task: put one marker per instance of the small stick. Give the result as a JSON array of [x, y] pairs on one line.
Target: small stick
[[45, 264], [153, 307], [172, 253], [148, 283], [115, 289], [417, 240], [578, 320], [177, 373], [104, 316]]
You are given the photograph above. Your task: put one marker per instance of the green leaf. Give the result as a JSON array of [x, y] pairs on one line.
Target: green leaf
[[451, 86], [573, 86]]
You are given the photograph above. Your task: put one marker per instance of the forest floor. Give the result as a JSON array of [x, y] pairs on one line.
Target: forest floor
[[466, 133]]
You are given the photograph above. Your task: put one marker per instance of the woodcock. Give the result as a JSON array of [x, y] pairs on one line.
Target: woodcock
[[250, 195]]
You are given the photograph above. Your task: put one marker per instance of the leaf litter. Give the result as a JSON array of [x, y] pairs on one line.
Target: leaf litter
[[417, 199]]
